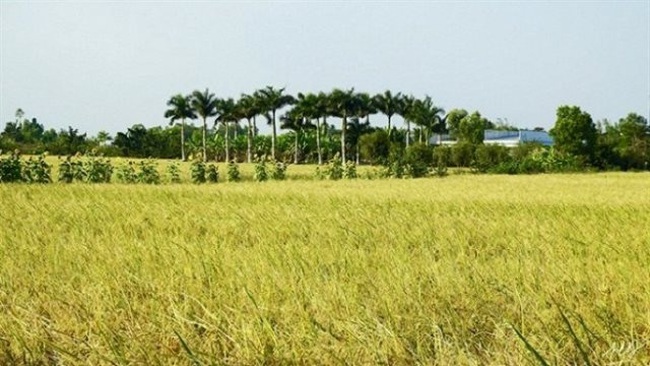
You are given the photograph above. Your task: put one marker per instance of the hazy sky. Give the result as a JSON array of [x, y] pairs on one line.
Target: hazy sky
[[107, 65]]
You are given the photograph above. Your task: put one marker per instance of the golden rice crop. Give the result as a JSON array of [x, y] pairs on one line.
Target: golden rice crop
[[462, 270]]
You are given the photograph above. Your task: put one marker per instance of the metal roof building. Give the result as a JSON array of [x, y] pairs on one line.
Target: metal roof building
[[504, 138]]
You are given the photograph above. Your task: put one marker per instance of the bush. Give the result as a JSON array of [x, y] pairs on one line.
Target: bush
[[88, 169], [148, 172], [174, 173], [487, 157], [261, 172], [396, 166], [198, 171], [212, 173], [334, 168], [375, 147], [279, 171], [462, 154], [126, 173], [233, 172], [350, 171], [37, 170], [418, 158], [441, 158], [10, 168]]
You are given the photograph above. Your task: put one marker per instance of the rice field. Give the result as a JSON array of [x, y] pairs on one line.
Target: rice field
[[465, 270]]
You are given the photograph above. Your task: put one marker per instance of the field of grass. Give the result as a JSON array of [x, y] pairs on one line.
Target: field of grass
[[468, 270]]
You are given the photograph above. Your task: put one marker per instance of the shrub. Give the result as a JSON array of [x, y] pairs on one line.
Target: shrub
[[174, 173], [418, 158], [148, 172], [212, 173], [486, 157], [37, 170], [462, 154], [441, 158], [261, 173], [350, 171], [279, 171], [126, 173], [198, 171], [10, 168], [96, 169], [334, 168], [233, 172], [66, 170]]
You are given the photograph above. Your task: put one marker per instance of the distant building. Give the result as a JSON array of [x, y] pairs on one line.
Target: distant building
[[504, 138]]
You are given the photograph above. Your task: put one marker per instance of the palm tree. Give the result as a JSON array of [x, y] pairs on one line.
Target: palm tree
[[204, 104], [307, 106], [271, 100], [343, 104], [226, 113], [356, 128], [322, 110], [388, 104], [426, 115], [295, 121], [405, 109], [248, 109], [180, 108]]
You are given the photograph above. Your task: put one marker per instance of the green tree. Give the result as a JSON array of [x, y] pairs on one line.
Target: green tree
[[248, 109], [472, 129], [343, 104], [452, 120], [180, 109], [575, 133], [271, 100], [295, 121], [388, 104], [204, 104], [227, 113], [406, 110]]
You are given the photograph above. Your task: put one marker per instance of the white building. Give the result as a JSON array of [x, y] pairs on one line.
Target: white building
[[504, 138]]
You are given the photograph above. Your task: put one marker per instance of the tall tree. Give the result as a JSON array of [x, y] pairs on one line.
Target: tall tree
[[248, 109], [406, 111], [227, 113], [322, 110], [575, 132], [427, 116], [388, 104], [343, 104], [271, 100], [204, 104], [452, 120], [296, 121], [180, 109]]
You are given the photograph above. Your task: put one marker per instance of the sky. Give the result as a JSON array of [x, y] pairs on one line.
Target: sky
[[106, 65]]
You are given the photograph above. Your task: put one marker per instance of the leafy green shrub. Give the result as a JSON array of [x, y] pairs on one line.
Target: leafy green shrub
[[375, 147], [396, 165], [233, 172], [10, 168], [261, 172], [462, 154], [37, 170], [198, 171], [174, 172], [319, 174], [212, 173], [279, 171], [126, 173], [334, 168], [87, 169], [487, 157], [418, 158], [441, 158], [148, 172], [350, 171], [66, 170]]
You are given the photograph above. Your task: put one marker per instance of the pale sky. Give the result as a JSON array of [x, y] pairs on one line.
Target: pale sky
[[106, 65]]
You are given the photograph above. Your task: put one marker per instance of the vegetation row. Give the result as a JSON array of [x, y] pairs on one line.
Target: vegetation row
[[311, 138]]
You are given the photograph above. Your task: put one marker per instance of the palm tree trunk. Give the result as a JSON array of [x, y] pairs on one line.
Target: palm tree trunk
[[408, 132], [389, 129], [227, 145], [254, 126], [183, 139], [295, 156], [357, 153], [320, 156], [273, 137], [344, 125], [250, 142], [205, 151]]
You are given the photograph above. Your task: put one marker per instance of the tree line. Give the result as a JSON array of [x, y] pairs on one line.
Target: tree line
[[228, 130]]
